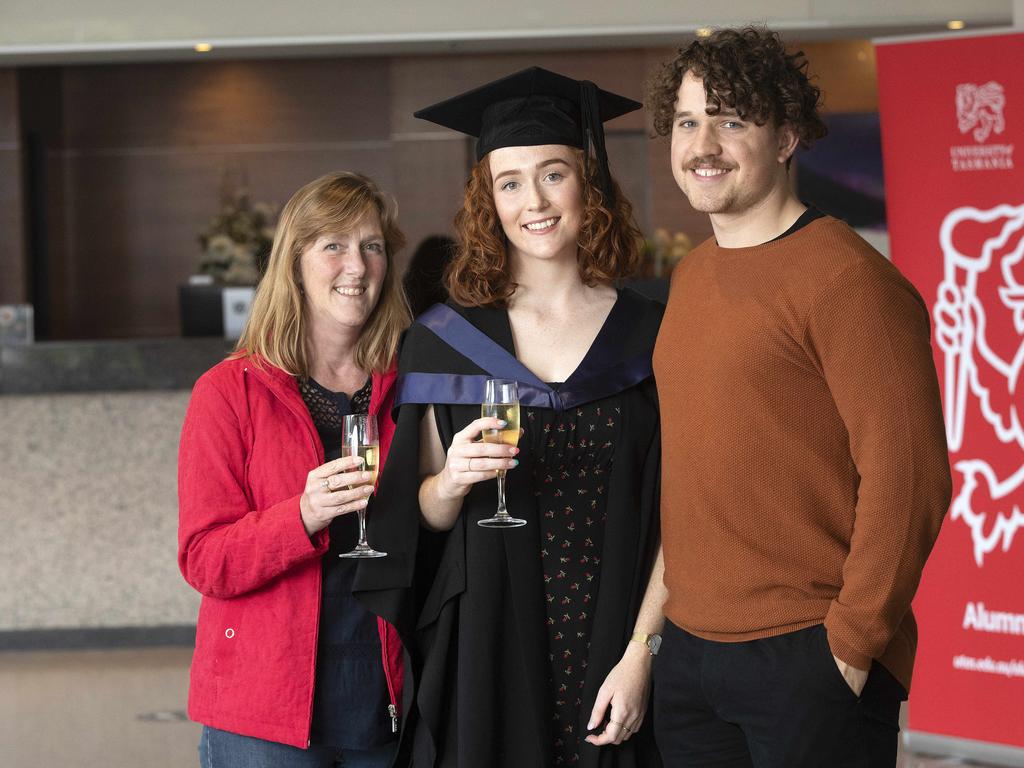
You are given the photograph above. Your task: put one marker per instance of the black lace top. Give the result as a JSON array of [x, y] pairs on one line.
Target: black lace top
[[329, 408]]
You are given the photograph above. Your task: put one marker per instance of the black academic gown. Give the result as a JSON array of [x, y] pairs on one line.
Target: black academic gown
[[470, 603]]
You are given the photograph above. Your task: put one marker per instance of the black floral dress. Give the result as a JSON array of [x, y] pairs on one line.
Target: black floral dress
[[573, 453]]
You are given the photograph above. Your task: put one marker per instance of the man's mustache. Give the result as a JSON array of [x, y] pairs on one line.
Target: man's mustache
[[709, 162]]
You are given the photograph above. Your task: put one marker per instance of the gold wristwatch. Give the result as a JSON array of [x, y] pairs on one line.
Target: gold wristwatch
[[653, 642]]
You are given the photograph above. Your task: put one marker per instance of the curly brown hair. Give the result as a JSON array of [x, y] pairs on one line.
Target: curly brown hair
[[610, 244], [748, 70]]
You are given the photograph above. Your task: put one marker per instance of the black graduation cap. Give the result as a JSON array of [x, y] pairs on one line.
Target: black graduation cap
[[533, 107]]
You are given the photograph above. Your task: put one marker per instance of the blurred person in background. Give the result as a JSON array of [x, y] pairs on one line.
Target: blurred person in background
[[289, 668], [424, 277]]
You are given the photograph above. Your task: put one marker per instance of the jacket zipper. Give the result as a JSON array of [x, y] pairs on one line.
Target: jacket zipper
[[382, 629]]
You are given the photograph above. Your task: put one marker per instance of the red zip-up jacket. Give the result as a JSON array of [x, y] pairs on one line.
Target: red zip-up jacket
[[247, 445]]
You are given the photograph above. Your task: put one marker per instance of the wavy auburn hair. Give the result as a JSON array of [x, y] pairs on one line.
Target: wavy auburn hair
[[609, 241], [748, 70], [277, 329]]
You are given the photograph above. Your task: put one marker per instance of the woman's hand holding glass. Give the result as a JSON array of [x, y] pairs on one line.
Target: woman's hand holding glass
[[470, 461], [334, 489]]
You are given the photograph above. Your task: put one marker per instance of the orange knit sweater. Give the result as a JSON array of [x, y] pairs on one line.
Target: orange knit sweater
[[805, 472]]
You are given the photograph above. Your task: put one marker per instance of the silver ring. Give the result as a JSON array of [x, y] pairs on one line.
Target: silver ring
[[326, 484], [469, 464]]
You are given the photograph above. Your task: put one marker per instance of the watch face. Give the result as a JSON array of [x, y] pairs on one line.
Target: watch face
[[654, 643]]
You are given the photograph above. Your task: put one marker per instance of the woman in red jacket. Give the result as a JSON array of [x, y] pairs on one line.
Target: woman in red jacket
[[289, 669]]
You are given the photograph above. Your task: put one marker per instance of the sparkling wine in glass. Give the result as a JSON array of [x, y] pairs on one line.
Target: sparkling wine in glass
[[359, 438], [501, 401]]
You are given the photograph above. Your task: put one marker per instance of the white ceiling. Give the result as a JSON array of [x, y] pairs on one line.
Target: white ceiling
[[66, 31]]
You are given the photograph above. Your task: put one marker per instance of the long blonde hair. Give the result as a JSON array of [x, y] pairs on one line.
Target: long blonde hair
[[276, 330]]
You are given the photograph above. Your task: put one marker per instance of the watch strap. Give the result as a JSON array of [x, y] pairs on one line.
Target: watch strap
[[651, 641]]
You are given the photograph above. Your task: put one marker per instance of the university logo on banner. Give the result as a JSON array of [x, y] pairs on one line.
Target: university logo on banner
[[955, 202], [979, 112]]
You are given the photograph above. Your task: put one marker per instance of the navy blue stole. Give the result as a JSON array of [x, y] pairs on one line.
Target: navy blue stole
[[601, 374]]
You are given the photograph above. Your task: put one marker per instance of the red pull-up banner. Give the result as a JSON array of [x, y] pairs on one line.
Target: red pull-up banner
[[952, 113]]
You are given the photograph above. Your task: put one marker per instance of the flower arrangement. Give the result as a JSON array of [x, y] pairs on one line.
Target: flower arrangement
[[236, 243], [664, 251]]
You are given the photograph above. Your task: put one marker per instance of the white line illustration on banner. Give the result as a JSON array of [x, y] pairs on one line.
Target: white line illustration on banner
[[971, 365]]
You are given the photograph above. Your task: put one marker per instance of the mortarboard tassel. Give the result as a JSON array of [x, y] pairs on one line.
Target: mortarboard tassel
[[593, 133]]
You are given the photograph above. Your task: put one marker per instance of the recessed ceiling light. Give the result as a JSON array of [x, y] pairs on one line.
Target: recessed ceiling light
[[704, 32], [956, 24], [203, 47]]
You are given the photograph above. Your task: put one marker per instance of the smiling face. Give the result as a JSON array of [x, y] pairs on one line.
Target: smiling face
[[342, 274], [539, 200], [726, 166]]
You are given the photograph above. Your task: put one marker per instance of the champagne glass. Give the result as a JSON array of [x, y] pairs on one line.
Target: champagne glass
[[359, 438], [501, 401]]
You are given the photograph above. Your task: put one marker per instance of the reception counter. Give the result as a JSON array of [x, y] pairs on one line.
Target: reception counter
[[88, 491], [107, 366]]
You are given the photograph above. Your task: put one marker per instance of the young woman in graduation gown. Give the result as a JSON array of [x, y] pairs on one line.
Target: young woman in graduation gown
[[524, 634]]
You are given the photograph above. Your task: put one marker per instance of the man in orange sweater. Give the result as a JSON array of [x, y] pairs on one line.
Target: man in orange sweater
[[805, 472]]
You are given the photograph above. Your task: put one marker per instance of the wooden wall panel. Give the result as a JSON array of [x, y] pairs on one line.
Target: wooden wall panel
[[178, 106], [146, 149], [143, 149], [8, 108], [13, 273], [60, 218], [132, 231], [430, 175]]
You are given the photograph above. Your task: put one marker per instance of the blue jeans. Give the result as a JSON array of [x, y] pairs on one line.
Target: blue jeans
[[221, 749]]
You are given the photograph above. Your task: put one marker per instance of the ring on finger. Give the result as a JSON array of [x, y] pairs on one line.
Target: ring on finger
[[326, 484], [469, 464]]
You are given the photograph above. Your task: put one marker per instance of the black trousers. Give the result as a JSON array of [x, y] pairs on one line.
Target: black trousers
[[779, 702]]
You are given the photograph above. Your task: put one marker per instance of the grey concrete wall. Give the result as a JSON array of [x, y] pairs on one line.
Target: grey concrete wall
[[88, 509]]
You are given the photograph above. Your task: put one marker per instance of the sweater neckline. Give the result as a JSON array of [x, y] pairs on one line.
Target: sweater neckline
[[782, 244]]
